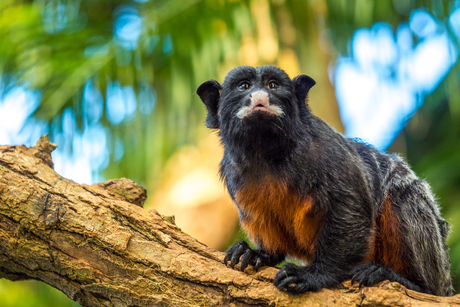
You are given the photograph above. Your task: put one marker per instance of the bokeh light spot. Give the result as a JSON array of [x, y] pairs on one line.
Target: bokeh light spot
[[54, 17], [382, 85], [127, 28]]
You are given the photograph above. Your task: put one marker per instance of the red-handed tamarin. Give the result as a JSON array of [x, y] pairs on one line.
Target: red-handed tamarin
[[304, 190]]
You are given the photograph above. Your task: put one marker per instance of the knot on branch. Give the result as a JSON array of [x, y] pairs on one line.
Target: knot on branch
[[43, 149], [124, 189]]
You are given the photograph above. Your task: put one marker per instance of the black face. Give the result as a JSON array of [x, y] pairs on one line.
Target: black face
[[256, 95], [255, 104]]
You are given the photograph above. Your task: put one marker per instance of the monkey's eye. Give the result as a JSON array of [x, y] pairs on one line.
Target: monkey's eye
[[273, 85], [244, 85]]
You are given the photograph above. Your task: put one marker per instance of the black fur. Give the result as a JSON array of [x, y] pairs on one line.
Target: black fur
[[349, 181]]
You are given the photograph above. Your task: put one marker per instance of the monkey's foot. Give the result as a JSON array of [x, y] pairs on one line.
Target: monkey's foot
[[257, 258], [370, 273]]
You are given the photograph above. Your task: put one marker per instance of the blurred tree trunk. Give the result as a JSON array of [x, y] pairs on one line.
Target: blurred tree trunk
[[101, 248]]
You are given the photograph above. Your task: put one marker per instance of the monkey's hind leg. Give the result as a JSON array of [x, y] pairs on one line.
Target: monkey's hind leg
[[425, 233], [410, 242]]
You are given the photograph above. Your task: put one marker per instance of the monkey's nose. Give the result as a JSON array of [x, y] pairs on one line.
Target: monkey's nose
[[259, 96]]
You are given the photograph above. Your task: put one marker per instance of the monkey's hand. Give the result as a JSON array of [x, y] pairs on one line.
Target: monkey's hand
[[295, 279], [255, 257], [298, 279]]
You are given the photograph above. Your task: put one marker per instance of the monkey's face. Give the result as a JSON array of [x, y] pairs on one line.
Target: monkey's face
[[255, 102]]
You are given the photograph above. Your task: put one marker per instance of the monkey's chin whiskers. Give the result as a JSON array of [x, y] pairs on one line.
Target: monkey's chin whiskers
[[284, 132]]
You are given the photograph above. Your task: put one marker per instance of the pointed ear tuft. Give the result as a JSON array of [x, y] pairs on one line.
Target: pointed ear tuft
[[209, 93], [302, 84]]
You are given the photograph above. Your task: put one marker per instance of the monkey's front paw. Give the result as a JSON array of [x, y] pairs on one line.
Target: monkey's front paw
[[295, 279], [242, 251]]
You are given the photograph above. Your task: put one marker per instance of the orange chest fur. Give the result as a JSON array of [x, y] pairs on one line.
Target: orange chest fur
[[278, 218]]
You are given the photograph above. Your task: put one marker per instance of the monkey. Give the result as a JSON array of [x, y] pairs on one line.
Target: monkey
[[340, 206]]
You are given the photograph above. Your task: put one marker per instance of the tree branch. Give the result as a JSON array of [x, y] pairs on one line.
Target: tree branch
[[99, 246]]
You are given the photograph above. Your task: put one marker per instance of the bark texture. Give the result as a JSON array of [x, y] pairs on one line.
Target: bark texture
[[99, 246]]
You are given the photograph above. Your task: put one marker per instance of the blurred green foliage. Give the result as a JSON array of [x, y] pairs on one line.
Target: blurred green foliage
[[32, 294], [58, 47]]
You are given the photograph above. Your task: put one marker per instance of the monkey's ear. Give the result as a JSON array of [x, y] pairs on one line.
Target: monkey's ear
[[302, 84], [209, 93]]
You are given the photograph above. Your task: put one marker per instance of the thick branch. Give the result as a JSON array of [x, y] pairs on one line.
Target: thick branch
[[101, 248]]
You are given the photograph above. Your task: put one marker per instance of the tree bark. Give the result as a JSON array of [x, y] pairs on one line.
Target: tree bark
[[99, 246]]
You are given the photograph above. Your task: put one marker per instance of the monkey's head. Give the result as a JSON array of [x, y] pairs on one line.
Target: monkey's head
[[255, 103]]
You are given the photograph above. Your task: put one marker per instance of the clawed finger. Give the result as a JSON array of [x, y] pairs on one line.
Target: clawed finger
[[245, 259], [286, 282], [258, 264]]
